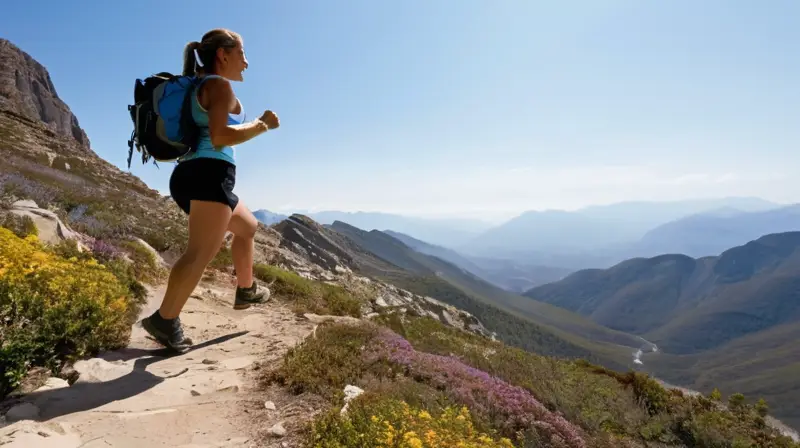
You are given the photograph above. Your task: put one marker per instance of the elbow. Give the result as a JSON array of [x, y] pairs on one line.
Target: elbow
[[218, 139]]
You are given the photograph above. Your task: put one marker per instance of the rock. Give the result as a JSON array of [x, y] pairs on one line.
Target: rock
[[270, 406], [159, 260], [53, 383], [22, 411], [27, 90], [29, 434], [210, 361], [350, 392], [194, 393], [238, 363], [51, 229], [277, 430], [317, 319]]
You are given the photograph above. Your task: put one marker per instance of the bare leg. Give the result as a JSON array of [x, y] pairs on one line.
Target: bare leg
[[208, 222], [243, 225]]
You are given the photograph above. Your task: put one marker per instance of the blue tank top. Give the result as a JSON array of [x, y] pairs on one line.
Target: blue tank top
[[204, 147]]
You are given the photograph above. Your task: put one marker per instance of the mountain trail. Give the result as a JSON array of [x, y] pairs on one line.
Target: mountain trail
[[144, 396]]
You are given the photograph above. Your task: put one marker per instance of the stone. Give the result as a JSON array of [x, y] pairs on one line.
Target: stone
[[277, 430], [53, 383], [51, 229], [350, 392], [270, 406]]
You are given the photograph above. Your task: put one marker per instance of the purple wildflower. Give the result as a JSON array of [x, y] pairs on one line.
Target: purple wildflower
[[105, 251], [478, 390], [24, 188]]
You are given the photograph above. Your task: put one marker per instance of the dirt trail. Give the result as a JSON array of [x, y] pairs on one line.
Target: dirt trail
[[142, 396]]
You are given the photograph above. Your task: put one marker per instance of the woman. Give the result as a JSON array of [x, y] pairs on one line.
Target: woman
[[202, 184]]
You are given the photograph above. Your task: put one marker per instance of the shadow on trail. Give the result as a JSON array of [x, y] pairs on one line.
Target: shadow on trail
[[85, 396]]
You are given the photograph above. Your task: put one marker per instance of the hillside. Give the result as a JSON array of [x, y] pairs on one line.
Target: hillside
[[496, 307], [514, 276], [339, 357], [444, 232], [743, 302]]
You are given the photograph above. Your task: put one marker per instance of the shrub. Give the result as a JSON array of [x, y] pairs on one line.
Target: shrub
[[511, 409], [373, 421], [326, 363], [144, 264], [54, 309], [22, 226], [309, 296]]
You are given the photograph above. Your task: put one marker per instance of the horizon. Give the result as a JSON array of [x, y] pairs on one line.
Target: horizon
[[481, 111]]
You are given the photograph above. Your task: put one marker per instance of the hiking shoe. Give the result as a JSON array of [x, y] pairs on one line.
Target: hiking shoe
[[246, 297], [168, 332]]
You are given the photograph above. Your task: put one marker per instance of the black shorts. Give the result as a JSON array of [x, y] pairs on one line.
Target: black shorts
[[204, 180]]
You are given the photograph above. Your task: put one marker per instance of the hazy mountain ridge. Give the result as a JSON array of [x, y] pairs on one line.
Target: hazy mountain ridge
[[507, 274]]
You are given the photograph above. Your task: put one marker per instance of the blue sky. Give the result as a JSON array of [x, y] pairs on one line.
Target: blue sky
[[460, 107]]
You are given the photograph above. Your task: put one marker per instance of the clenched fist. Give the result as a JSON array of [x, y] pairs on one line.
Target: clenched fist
[[270, 119]]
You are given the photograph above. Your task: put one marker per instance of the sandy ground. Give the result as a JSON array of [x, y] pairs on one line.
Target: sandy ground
[[142, 396]]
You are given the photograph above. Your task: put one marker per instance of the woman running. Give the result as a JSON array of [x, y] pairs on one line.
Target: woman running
[[202, 184]]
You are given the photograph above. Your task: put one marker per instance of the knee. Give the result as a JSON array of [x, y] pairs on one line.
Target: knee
[[247, 231]]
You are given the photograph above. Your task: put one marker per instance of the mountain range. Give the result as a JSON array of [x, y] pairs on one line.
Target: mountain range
[[701, 311]]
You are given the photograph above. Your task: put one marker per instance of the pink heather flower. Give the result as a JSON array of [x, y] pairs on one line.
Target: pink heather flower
[[478, 390]]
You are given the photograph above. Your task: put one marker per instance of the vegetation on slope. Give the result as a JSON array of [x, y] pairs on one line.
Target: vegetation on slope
[[56, 306], [516, 320], [726, 321], [417, 368], [309, 296], [89, 194]]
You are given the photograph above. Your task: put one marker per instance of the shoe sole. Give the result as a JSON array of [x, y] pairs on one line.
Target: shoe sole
[[243, 305], [161, 337]]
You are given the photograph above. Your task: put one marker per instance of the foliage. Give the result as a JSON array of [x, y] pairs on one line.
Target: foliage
[[374, 421], [22, 226], [54, 308], [309, 296], [533, 400], [325, 363]]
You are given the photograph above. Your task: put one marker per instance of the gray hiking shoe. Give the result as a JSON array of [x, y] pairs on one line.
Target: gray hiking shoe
[[246, 297], [168, 332]]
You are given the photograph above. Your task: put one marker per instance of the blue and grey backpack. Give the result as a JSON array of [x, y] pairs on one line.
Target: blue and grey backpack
[[163, 128]]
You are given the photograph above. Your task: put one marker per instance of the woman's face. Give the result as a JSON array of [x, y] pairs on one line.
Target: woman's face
[[232, 62]]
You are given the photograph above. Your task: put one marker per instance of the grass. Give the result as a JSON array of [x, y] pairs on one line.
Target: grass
[[309, 296]]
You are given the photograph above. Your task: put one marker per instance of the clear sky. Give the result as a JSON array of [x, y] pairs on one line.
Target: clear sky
[[459, 107]]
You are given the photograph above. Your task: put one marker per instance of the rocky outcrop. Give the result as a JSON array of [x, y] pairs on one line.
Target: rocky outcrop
[[26, 89], [49, 227]]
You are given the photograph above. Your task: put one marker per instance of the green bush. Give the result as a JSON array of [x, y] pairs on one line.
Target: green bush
[[55, 309], [22, 226], [309, 296]]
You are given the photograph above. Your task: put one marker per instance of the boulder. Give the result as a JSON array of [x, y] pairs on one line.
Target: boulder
[[51, 229]]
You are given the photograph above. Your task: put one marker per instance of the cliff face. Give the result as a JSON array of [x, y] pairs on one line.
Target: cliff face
[[26, 89]]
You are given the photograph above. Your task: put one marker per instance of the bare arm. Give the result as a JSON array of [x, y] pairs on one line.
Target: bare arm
[[220, 100]]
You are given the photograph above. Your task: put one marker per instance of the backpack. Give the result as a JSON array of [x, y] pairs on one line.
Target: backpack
[[163, 128]]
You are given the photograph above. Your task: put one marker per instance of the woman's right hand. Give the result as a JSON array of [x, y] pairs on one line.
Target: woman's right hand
[[270, 119]]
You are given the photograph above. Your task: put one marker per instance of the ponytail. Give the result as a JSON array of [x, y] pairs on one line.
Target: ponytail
[[189, 59], [202, 56]]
